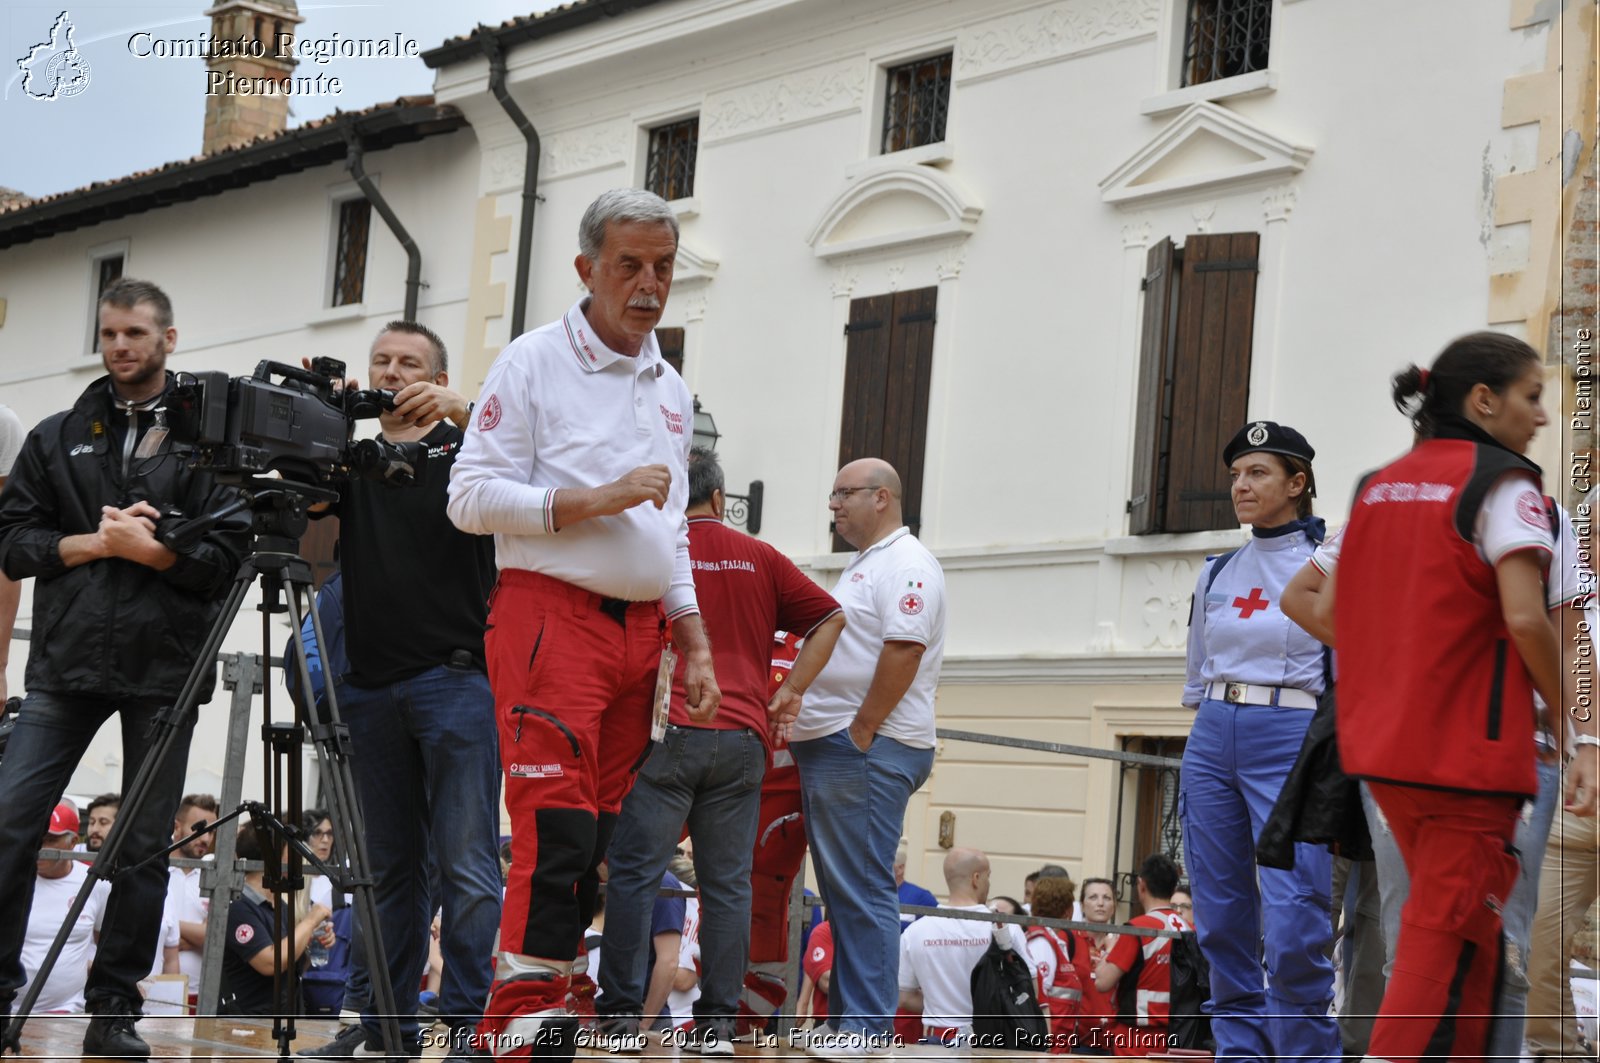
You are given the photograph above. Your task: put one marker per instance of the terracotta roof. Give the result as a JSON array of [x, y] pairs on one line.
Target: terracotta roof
[[532, 27], [314, 143]]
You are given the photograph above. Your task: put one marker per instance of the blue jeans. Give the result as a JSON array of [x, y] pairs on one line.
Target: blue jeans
[[710, 779], [53, 730], [855, 806], [1234, 765], [1394, 885], [426, 758]]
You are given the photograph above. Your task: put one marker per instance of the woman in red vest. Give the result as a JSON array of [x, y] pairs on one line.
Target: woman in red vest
[[1050, 953], [1443, 637]]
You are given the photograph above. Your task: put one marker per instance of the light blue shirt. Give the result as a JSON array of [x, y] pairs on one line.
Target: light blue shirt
[[1237, 631]]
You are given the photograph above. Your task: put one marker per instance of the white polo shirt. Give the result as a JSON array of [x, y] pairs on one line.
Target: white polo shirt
[[892, 590], [561, 409], [937, 955]]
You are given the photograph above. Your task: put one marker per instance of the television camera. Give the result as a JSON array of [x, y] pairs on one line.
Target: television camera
[[301, 426]]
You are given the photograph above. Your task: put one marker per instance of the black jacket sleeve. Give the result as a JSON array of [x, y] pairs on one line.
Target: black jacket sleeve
[[211, 564], [30, 517]]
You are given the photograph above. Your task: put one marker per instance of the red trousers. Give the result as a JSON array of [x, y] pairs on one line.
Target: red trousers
[[780, 850], [573, 676], [1457, 849]]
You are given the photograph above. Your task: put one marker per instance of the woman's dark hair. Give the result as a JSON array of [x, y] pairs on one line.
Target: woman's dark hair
[[1440, 392], [1293, 465], [246, 845]]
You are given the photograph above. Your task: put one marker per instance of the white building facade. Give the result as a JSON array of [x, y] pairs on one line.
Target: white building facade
[[1111, 231]]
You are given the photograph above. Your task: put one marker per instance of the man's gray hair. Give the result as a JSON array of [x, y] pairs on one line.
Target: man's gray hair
[[622, 205], [705, 475]]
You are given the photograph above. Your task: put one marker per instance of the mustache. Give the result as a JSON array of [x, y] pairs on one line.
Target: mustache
[[645, 302]]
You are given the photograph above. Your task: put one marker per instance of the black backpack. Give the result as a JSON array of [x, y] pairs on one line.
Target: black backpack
[[1189, 1025], [1005, 1011]]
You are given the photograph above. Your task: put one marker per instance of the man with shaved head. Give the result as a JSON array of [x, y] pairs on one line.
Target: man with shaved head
[[864, 743], [937, 953]]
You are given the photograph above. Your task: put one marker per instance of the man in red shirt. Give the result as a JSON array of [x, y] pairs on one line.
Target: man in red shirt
[[1144, 1006], [818, 966], [708, 773]]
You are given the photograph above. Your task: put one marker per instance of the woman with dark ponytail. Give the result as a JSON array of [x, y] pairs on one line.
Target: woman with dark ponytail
[[1443, 638]]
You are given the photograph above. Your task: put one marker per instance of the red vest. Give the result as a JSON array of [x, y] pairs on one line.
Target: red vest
[[1431, 690], [1063, 997]]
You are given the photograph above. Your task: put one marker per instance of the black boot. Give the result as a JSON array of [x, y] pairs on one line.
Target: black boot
[[111, 1030]]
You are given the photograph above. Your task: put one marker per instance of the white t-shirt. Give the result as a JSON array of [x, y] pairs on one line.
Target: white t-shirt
[[1511, 518], [892, 590], [1041, 957], [52, 897], [169, 938], [183, 887], [11, 436], [937, 955], [681, 1003]]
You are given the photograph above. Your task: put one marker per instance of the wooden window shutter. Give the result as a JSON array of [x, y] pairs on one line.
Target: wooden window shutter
[[671, 343], [1211, 376], [888, 367], [905, 418], [1154, 412]]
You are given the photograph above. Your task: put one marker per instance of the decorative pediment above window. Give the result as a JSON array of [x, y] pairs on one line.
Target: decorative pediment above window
[[692, 267], [894, 206], [1205, 148]]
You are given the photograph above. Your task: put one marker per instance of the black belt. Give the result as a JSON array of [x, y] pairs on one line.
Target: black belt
[[616, 609]]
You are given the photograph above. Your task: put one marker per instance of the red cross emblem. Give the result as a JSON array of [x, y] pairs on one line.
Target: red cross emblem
[[1249, 605]]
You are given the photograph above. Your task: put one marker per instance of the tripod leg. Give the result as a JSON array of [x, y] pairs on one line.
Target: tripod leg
[[134, 794], [333, 755]]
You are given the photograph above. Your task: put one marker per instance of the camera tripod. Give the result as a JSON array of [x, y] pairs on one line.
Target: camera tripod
[[277, 510]]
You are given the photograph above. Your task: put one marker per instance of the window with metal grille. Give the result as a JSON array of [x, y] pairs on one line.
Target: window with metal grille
[[916, 103], [106, 270], [1156, 826], [669, 172], [1225, 38], [350, 255]]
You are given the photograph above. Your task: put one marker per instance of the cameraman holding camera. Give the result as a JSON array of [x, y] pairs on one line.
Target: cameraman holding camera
[[425, 751], [119, 619]]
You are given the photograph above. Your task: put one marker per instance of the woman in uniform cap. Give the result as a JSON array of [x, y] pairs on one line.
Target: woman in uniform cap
[[1254, 677]]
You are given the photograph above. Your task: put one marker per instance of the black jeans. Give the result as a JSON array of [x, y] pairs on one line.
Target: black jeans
[[53, 730]]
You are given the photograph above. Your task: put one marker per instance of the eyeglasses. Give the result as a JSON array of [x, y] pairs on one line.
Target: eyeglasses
[[839, 494], [322, 833]]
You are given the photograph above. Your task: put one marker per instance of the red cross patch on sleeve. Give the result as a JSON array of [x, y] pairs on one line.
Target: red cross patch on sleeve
[[490, 415], [1530, 507], [244, 933]]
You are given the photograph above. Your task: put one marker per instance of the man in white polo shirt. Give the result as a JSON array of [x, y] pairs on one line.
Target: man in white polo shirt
[[864, 743], [577, 462], [937, 953]]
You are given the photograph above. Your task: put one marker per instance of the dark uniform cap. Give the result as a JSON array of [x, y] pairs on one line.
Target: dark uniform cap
[[1268, 436]]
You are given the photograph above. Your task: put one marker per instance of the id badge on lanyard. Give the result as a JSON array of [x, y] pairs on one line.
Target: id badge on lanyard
[[663, 700]]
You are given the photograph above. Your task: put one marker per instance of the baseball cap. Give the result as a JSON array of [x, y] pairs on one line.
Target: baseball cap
[[64, 820]]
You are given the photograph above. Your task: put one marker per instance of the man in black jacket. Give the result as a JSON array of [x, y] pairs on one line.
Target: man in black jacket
[[118, 620]]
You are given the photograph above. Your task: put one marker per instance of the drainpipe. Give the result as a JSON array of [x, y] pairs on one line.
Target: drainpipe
[[530, 171], [352, 162]]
